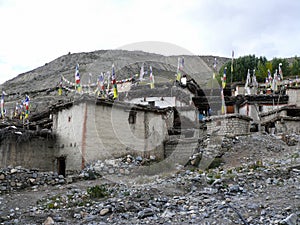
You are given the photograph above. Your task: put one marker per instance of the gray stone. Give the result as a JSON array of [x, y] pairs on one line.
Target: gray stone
[[234, 188], [48, 221], [145, 213], [3, 188], [291, 220], [12, 171], [77, 216], [103, 212], [167, 214], [139, 158]]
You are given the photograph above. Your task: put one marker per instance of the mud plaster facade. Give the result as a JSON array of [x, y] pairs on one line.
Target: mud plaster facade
[[294, 95], [87, 132], [254, 110]]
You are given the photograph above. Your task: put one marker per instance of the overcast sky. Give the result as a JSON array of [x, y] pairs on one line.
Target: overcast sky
[[34, 32]]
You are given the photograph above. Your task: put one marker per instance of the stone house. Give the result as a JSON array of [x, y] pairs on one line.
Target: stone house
[[238, 88], [88, 131], [165, 96], [282, 120], [254, 105]]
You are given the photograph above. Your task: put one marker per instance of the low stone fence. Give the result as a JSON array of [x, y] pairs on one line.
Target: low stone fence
[[230, 124]]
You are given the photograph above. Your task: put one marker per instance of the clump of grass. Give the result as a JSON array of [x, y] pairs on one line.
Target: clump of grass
[[295, 156], [256, 165], [218, 176], [229, 171], [97, 191], [51, 205], [211, 181]]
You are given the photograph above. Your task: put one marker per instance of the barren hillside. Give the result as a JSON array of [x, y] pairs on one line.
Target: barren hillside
[[41, 82]]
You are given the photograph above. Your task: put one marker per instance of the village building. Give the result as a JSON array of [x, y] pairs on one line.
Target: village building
[[270, 112], [282, 120], [88, 131]]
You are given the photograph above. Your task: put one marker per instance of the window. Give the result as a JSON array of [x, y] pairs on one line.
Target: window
[[132, 117]]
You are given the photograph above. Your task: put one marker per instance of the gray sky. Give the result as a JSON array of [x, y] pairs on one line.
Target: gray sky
[[34, 32]]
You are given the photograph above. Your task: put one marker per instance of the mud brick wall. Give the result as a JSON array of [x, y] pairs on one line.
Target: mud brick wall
[[38, 152]]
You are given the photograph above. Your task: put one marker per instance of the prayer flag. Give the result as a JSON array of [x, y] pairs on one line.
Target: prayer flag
[[27, 103], [113, 77], [280, 71], [60, 86], [151, 78], [223, 107], [2, 105], [142, 72], [224, 78], [77, 78]]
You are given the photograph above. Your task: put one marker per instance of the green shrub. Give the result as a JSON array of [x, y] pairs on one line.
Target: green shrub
[[97, 191]]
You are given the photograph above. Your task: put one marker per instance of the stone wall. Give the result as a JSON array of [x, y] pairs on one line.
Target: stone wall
[[288, 125], [231, 124], [38, 152], [271, 115], [180, 150]]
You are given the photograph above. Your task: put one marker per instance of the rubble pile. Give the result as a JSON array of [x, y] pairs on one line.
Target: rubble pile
[[18, 178], [291, 139], [123, 166]]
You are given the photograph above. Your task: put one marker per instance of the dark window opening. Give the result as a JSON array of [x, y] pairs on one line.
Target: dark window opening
[[260, 108], [151, 104], [132, 117], [293, 112]]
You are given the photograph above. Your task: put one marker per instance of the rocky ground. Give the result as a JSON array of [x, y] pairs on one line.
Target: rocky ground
[[257, 181]]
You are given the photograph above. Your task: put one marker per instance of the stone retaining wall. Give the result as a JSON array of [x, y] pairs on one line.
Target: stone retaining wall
[[179, 151], [232, 124]]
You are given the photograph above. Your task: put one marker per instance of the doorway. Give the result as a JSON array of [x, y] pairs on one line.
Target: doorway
[[61, 165]]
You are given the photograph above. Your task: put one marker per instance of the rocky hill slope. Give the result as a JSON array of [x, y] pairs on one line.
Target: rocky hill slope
[[127, 63], [40, 84]]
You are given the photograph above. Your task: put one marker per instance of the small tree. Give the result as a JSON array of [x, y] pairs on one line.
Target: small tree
[[295, 67]]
